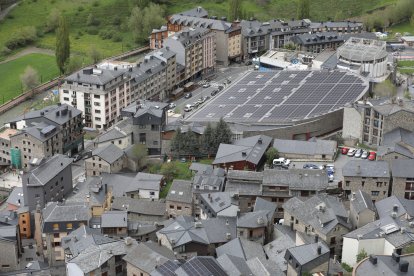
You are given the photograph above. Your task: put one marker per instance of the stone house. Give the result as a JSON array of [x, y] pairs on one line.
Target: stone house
[[114, 223], [141, 209], [310, 258], [179, 201], [314, 149], [403, 178], [372, 177], [396, 144], [321, 215], [362, 209], [107, 159], [115, 136], [11, 248], [219, 204]]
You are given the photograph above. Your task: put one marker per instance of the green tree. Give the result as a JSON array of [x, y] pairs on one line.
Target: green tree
[[177, 143], [303, 10], [222, 134], [412, 20], [191, 146], [347, 267], [385, 89], [135, 23], [169, 170], [140, 154], [235, 9], [52, 21], [95, 55], [73, 64], [271, 154], [361, 255], [30, 79], [143, 20], [62, 51], [208, 140]]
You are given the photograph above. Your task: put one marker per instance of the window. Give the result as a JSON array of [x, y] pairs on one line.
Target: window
[[347, 183], [178, 207], [375, 193], [55, 227], [171, 206], [152, 193], [69, 226], [119, 142], [333, 240], [56, 235]]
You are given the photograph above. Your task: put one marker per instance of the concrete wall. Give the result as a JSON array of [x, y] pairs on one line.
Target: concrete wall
[[352, 124], [352, 247]]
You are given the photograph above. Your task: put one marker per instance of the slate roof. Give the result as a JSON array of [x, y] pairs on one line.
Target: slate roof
[[120, 183], [244, 182], [54, 212], [250, 149], [316, 38], [398, 135], [140, 206], [276, 250], [8, 232], [331, 213], [110, 153], [296, 179], [336, 24], [388, 108], [208, 23], [364, 168], [242, 248], [87, 76], [304, 254], [196, 12], [180, 191], [43, 173], [183, 230], [148, 256], [16, 197], [396, 148], [201, 266], [362, 201], [205, 175], [110, 135], [402, 168], [91, 190], [189, 36], [148, 181], [233, 265], [385, 266], [219, 201], [256, 219], [49, 113], [265, 205], [385, 206], [312, 147], [185, 127], [114, 219], [82, 238]]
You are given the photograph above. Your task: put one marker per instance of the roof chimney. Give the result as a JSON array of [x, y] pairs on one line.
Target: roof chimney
[[358, 171], [373, 259], [403, 266], [260, 141], [244, 153], [316, 238], [395, 208], [319, 250]]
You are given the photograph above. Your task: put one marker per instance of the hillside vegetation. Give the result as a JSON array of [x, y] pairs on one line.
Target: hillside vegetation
[[103, 24]]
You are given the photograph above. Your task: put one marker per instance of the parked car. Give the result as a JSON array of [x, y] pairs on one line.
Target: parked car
[[77, 157], [188, 95], [214, 92], [188, 109], [172, 105], [358, 153], [281, 162], [330, 167], [330, 175], [206, 85], [351, 152], [372, 156], [207, 98], [311, 166], [220, 88], [344, 150], [364, 154], [183, 160]]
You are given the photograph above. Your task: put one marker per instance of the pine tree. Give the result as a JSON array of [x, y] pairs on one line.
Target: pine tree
[[62, 44], [222, 134], [208, 140], [235, 9], [177, 143]]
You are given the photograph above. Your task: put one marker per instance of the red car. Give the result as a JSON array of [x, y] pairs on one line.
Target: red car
[[372, 156], [344, 150]]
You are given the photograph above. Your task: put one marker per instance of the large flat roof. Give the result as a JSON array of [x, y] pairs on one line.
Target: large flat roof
[[282, 97]]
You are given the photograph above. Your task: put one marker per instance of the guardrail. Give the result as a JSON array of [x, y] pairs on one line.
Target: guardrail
[[54, 82]]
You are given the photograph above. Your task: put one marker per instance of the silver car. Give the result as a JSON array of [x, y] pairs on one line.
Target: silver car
[[364, 154], [358, 153]]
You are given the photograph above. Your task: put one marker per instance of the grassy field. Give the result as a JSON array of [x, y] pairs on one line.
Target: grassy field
[[402, 28], [10, 73]]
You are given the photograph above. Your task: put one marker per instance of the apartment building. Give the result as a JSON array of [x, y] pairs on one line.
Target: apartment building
[[5, 145], [99, 93], [56, 129], [195, 49], [403, 178], [368, 121], [51, 180], [342, 27], [318, 42], [370, 177], [157, 37], [56, 221]]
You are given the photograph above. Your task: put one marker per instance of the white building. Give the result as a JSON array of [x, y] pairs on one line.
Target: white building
[[367, 57]]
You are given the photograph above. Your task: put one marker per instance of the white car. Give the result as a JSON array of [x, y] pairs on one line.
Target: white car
[[281, 162], [351, 152], [364, 154], [330, 167], [206, 85], [172, 105]]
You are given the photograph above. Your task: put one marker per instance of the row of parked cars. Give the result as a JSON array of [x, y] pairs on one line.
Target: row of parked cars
[[285, 163], [359, 153]]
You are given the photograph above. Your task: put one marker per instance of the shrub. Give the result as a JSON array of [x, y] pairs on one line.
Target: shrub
[[80, 9], [92, 21], [106, 34], [10, 16], [5, 51], [92, 30], [95, 3], [116, 21], [347, 267], [116, 38], [22, 38]]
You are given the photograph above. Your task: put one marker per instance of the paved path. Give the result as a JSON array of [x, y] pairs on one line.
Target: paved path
[[28, 51], [5, 12]]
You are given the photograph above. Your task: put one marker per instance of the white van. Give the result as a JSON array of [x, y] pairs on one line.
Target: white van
[[281, 162]]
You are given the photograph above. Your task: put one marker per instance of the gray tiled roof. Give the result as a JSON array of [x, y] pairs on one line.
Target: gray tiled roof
[[250, 149], [362, 201], [180, 191], [54, 212], [396, 148], [296, 179], [244, 182], [389, 108], [8, 232], [385, 206], [385, 265], [336, 24], [196, 12], [402, 168], [208, 23], [140, 206], [189, 36], [276, 250], [148, 181], [50, 114], [42, 174], [331, 213], [91, 190], [318, 38], [114, 219], [120, 183], [102, 78], [233, 265], [398, 135], [148, 256], [219, 201], [242, 248], [256, 219], [16, 197], [110, 135], [313, 147], [265, 205], [110, 153], [365, 168], [304, 254]]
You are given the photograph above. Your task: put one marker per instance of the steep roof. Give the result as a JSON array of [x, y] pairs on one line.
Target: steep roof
[[208, 23], [256, 219], [318, 38], [402, 168], [196, 12], [148, 181], [307, 253], [140, 206], [362, 201], [297, 179], [16, 197], [242, 248], [43, 173], [110, 135], [219, 201], [180, 191], [54, 212], [311, 147], [110, 153], [233, 265], [114, 219], [364, 168]]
